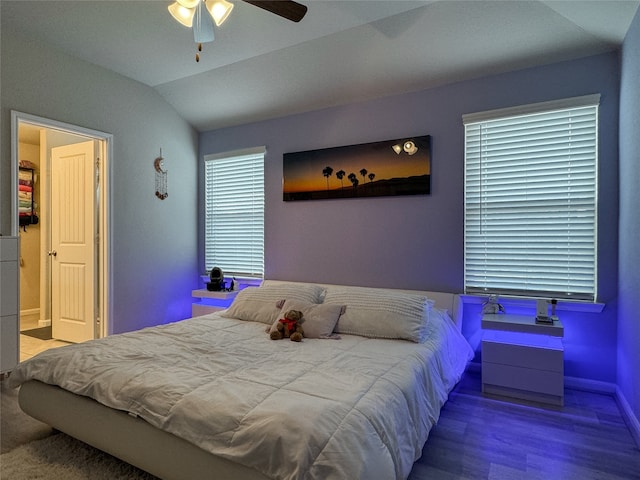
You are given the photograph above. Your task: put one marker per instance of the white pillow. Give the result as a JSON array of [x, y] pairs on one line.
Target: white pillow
[[381, 313], [319, 319], [262, 304]]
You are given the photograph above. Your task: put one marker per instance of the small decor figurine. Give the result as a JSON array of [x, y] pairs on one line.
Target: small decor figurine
[[290, 326], [161, 178], [491, 306]]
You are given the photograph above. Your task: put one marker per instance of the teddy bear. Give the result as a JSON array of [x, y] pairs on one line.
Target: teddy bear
[[290, 326]]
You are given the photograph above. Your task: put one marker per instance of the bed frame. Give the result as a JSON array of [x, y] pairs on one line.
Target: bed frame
[[135, 441]]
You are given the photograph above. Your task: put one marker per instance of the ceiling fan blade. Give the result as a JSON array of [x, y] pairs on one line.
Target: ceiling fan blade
[[288, 9]]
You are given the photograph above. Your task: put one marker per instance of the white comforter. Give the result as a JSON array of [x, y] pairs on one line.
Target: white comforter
[[353, 408]]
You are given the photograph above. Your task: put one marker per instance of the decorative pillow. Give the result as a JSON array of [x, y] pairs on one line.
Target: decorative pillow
[[319, 319], [381, 313], [262, 304], [294, 289]]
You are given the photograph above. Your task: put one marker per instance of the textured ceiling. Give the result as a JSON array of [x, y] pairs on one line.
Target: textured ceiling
[[261, 66]]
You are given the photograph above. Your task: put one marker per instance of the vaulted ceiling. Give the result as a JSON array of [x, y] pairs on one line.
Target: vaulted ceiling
[[261, 66]]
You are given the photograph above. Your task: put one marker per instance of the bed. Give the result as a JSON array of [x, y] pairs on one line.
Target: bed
[[215, 397]]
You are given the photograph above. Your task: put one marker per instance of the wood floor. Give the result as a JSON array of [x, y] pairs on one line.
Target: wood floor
[[491, 438]]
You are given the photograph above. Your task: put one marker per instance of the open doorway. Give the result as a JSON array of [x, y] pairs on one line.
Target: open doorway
[[63, 229]]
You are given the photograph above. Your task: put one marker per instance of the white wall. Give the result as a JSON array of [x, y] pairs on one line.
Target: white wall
[[629, 256], [153, 242]]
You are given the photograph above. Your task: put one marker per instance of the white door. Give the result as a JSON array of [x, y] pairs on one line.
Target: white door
[[73, 241]]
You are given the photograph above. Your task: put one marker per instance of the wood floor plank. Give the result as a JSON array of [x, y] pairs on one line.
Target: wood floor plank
[[494, 438]]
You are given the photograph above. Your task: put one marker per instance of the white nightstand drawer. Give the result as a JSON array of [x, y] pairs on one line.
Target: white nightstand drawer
[[523, 359], [520, 378], [533, 357]]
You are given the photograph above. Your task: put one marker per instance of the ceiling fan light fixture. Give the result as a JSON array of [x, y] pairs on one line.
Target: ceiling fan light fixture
[[397, 148], [182, 14], [219, 10], [191, 14], [202, 26], [188, 3]]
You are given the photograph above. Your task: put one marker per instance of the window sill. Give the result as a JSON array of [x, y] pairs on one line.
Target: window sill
[[250, 281], [530, 303]]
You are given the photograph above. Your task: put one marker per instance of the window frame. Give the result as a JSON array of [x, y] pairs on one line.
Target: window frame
[[234, 264], [502, 115]]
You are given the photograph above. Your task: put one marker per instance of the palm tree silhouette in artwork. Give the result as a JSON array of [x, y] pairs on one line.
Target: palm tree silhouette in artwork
[[364, 172], [327, 171], [340, 174], [371, 177], [354, 180]]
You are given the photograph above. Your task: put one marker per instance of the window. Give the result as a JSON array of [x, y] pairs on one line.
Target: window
[[530, 200], [234, 213]]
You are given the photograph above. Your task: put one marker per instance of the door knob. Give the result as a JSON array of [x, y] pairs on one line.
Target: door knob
[[53, 253]]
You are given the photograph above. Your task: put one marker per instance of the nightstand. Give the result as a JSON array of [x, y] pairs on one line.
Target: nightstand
[[209, 302], [523, 359]]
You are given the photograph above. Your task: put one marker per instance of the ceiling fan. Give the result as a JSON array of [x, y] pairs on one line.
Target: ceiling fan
[[202, 14]]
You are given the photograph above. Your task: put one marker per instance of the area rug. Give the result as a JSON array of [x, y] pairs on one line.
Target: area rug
[[61, 457], [43, 333]]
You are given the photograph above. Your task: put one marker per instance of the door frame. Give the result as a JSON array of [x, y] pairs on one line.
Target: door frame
[[103, 212]]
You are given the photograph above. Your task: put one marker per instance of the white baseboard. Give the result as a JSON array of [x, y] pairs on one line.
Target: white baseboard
[[30, 311], [590, 385], [628, 415], [35, 312]]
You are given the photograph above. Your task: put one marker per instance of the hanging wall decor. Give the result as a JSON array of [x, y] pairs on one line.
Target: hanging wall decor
[[388, 168], [26, 194], [161, 178]]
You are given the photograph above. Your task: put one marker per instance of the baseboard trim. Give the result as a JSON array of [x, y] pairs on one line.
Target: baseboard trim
[[628, 415], [29, 311], [588, 385], [35, 312]]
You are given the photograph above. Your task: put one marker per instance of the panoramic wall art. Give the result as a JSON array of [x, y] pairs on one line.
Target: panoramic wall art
[[387, 168]]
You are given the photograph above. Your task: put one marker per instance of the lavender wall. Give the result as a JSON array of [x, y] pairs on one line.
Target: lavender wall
[[629, 318], [417, 243]]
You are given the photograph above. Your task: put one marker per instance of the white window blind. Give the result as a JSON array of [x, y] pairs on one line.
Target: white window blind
[[530, 200], [234, 213]]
